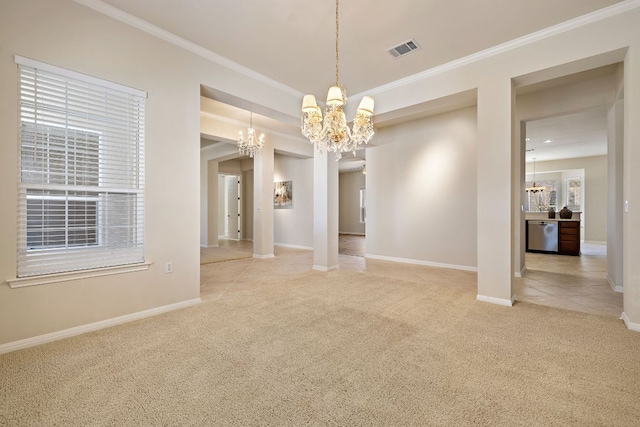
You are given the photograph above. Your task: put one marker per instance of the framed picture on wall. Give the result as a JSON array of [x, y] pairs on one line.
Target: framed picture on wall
[[283, 195]]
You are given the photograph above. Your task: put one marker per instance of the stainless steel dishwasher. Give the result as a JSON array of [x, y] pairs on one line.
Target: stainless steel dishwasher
[[542, 236]]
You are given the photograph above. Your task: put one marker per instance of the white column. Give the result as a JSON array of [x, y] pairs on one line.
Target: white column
[[615, 201], [263, 202], [325, 212], [631, 190], [519, 226], [494, 206]]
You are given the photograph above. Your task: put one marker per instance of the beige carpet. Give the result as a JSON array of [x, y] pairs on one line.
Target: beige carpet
[[341, 349]]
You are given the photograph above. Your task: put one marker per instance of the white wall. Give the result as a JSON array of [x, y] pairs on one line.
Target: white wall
[[595, 191], [294, 226], [422, 199], [349, 202]]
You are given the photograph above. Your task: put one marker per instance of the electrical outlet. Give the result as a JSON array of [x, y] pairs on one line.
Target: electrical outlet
[[626, 206], [168, 267]]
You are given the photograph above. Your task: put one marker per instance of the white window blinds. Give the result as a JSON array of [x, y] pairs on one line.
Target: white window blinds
[[81, 184]]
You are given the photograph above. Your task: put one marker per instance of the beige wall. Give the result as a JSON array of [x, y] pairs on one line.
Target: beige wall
[[422, 200], [349, 202], [294, 227], [69, 35], [595, 191]]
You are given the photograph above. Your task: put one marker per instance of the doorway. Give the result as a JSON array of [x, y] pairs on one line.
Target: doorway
[[573, 174], [352, 210]]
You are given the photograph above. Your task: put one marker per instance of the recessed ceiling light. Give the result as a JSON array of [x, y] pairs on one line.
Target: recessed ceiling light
[[548, 141]]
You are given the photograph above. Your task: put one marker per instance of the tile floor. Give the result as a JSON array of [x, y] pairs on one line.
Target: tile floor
[[574, 283], [349, 244]]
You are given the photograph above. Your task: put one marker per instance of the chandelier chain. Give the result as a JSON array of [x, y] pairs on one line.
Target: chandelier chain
[[337, 45]]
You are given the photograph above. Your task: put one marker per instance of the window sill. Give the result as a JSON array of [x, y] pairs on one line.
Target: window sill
[[76, 275]]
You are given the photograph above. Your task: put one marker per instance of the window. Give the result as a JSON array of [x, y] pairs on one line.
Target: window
[[541, 201], [81, 189], [574, 192]]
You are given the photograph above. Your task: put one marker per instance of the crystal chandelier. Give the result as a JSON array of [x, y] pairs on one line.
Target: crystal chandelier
[[332, 133], [252, 144], [534, 189]]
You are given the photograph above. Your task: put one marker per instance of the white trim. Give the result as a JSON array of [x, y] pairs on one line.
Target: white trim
[[21, 282], [78, 76], [66, 333], [210, 246], [325, 269], [613, 285], [350, 233], [286, 245], [631, 326], [147, 27], [594, 242], [257, 256], [421, 262], [493, 300], [522, 272], [580, 21]]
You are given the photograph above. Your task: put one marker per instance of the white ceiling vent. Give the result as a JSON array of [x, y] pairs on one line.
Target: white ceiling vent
[[404, 48]]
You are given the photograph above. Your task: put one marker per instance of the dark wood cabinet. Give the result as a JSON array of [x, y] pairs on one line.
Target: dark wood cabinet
[[569, 237]]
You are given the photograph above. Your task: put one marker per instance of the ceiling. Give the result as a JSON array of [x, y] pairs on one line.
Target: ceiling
[[293, 43], [580, 134]]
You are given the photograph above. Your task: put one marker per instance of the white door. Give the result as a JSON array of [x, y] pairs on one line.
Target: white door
[[233, 213]]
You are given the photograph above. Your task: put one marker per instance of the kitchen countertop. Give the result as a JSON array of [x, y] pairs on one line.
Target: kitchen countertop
[[544, 216]]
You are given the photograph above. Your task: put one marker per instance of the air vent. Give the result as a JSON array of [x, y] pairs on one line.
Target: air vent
[[404, 48]]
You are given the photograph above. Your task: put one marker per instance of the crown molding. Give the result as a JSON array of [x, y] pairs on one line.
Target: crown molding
[[115, 13], [571, 24]]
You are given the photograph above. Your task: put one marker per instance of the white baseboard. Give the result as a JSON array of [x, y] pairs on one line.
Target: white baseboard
[[631, 326], [522, 272], [66, 333], [421, 262], [286, 245], [350, 233], [594, 242], [257, 256], [209, 247], [493, 300], [325, 269], [616, 288]]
